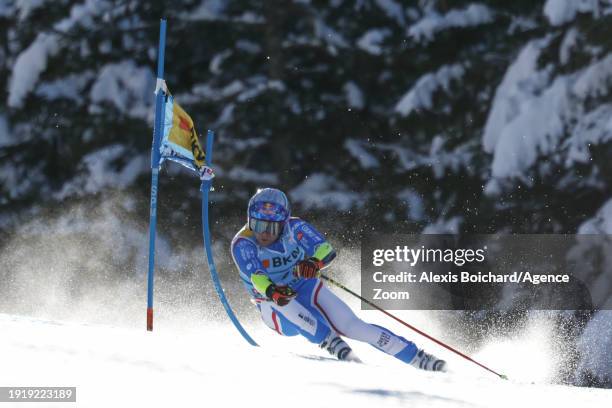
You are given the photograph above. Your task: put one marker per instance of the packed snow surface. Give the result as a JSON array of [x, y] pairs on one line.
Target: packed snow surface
[[212, 364]]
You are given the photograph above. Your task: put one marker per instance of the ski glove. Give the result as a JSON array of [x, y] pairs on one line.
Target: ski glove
[[308, 268], [206, 173], [281, 295]]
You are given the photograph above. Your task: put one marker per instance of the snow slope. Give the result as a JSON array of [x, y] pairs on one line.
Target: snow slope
[[212, 366]]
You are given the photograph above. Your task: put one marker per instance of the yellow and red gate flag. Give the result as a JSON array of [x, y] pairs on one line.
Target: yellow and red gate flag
[[180, 142]]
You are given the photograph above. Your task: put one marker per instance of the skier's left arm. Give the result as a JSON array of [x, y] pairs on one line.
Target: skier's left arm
[[319, 252]]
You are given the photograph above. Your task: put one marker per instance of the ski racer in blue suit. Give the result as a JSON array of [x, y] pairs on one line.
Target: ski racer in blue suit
[[279, 258]]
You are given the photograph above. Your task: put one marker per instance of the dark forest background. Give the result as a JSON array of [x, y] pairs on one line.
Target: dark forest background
[[304, 96]]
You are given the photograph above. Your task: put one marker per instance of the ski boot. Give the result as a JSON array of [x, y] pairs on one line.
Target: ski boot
[[427, 362], [338, 348]]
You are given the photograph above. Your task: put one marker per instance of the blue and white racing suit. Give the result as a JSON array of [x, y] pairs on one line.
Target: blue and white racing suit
[[316, 310]]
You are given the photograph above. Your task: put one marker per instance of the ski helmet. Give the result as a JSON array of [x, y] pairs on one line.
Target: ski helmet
[[268, 211]]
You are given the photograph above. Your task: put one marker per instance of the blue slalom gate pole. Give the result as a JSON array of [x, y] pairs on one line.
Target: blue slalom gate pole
[[155, 157], [204, 188]]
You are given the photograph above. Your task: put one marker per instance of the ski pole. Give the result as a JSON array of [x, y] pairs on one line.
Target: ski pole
[[341, 286]]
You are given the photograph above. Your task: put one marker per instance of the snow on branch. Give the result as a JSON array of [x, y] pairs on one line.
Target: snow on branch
[[421, 94], [534, 113], [433, 22]]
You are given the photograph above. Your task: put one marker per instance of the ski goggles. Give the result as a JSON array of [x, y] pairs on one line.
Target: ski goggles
[[260, 226]]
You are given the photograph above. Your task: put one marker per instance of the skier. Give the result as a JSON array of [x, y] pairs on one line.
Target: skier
[[279, 258]]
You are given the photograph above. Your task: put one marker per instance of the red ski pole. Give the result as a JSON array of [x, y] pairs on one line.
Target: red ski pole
[[454, 350]]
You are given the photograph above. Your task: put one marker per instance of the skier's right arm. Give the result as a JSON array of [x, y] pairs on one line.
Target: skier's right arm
[[251, 269], [249, 264]]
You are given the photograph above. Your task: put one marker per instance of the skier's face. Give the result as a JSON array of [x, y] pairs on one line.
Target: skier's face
[[265, 238]]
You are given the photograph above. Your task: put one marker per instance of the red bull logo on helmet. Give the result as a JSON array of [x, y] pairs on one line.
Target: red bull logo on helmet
[[268, 209]]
